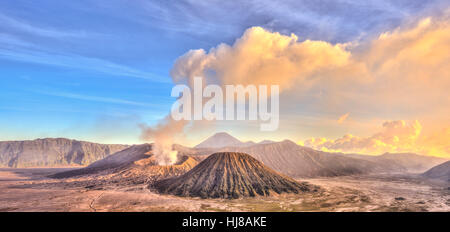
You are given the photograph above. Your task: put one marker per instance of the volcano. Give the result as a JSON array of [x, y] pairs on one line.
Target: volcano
[[135, 164], [230, 175]]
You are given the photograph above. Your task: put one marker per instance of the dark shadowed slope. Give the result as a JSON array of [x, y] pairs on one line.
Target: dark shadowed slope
[[230, 175], [121, 158], [440, 172], [52, 152], [222, 139]]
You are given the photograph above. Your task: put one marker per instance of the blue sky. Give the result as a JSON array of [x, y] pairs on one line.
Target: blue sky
[[94, 70]]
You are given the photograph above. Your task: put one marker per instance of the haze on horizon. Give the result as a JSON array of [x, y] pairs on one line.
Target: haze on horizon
[[358, 77]]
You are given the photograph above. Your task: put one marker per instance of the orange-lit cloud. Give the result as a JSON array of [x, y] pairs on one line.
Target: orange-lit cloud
[[406, 66], [343, 118], [411, 66], [437, 143], [396, 136], [400, 73], [262, 57]]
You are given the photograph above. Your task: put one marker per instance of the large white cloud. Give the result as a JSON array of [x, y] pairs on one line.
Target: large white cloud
[[403, 73], [399, 67], [263, 57]]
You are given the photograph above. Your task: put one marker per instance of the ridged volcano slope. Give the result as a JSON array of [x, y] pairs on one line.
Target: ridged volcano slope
[[230, 175]]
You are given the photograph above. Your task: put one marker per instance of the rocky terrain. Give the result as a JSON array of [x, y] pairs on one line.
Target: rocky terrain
[[230, 175], [52, 152], [29, 189], [440, 172]]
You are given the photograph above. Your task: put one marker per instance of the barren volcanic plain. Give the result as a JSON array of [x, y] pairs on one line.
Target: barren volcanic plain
[[29, 190]]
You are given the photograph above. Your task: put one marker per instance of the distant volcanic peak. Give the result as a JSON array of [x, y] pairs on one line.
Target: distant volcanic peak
[[219, 140], [220, 134], [230, 175], [224, 135]]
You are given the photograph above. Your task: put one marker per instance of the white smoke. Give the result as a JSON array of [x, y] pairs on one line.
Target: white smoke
[[163, 135]]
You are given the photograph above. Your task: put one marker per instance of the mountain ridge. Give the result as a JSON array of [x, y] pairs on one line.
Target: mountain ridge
[[409, 162], [440, 172], [51, 152], [294, 160]]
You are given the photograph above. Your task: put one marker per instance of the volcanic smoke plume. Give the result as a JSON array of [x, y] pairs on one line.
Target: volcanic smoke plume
[[162, 136]]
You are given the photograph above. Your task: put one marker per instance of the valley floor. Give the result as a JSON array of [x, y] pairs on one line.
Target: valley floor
[[29, 190]]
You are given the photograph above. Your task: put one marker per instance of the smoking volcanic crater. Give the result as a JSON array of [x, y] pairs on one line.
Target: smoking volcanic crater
[[134, 165], [230, 175]]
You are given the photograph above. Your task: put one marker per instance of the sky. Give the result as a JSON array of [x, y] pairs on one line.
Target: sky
[[356, 76]]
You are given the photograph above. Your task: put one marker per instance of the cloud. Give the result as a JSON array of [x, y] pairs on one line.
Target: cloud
[[77, 62], [437, 143], [414, 59], [395, 136], [20, 41], [343, 118], [401, 73], [7, 40], [383, 71], [347, 20], [375, 75], [96, 98], [262, 57], [38, 30]]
